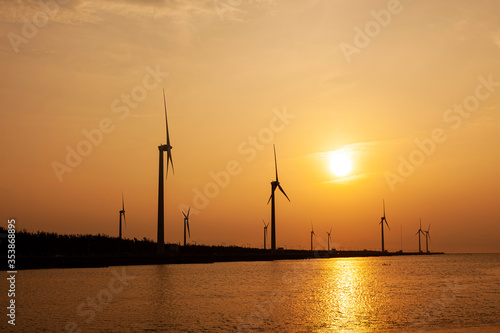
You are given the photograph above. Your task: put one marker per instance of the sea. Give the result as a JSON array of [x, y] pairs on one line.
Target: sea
[[414, 293]]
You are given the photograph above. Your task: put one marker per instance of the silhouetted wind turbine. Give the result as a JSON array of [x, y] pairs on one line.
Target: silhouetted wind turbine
[[163, 148], [265, 232], [427, 238], [312, 234], [382, 226], [420, 231], [122, 212], [186, 224], [274, 184], [329, 236]]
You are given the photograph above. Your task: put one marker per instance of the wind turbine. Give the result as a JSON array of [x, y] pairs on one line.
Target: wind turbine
[[274, 184], [427, 238], [382, 220], [265, 232], [312, 234], [420, 231], [122, 212], [163, 148], [329, 236], [186, 224]]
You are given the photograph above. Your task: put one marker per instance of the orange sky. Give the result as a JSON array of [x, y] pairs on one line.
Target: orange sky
[[371, 77]]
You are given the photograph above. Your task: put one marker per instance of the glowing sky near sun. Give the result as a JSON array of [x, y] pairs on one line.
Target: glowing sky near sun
[[409, 91]]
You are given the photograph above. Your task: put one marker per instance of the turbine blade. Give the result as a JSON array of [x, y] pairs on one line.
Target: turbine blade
[[429, 228], [169, 159], [189, 209], [187, 224], [275, 163], [330, 231], [387, 224], [383, 203], [283, 191], [124, 220], [264, 222], [272, 194], [166, 120], [184, 214]]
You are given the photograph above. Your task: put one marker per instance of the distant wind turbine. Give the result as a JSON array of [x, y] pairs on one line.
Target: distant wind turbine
[[427, 238], [186, 224], [265, 232], [420, 231], [163, 148], [122, 212], [383, 219], [329, 236], [312, 234], [274, 184]]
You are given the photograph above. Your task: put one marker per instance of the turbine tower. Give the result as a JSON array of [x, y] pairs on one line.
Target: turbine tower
[[427, 238], [122, 212], [274, 184], [420, 231], [265, 232], [312, 234], [382, 220], [163, 148], [186, 224], [329, 236]]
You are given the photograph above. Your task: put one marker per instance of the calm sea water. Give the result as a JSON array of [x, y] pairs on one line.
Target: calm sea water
[[392, 294]]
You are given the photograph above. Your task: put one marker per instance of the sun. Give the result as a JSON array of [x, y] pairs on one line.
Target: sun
[[340, 162]]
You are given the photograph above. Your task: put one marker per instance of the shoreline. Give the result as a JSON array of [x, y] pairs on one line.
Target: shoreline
[[177, 257]]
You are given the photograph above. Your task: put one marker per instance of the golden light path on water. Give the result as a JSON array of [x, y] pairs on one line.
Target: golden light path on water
[[346, 300], [372, 294]]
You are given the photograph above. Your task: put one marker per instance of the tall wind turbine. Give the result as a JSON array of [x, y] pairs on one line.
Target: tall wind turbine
[[420, 231], [382, 220], [312, 234], [265, 232], [329, 236], [274, 184], [186, 224], [163, 148], [122, 212], [427, 238]]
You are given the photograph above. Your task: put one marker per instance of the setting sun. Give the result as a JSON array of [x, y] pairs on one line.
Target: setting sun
[[340, 163]]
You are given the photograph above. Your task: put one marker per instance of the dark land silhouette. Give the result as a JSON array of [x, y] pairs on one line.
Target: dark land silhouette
[[41, 249]]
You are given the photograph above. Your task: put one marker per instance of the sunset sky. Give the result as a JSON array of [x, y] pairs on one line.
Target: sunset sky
[[410, 90]]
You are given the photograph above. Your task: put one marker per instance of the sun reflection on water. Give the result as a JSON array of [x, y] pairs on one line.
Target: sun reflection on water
[[349, 298]]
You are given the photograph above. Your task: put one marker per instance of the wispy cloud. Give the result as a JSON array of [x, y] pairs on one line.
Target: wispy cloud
[[92, 11], [349, 178]]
